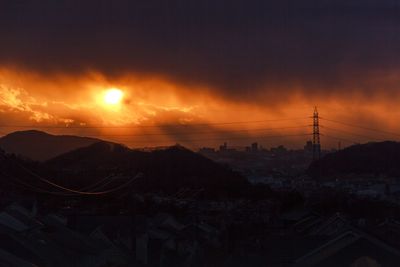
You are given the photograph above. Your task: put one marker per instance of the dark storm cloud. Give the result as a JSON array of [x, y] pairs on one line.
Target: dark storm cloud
[[231, 45]]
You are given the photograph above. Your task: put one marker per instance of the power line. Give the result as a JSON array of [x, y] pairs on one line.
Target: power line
[[340, 138], [98, 184], [350, 133], [72, 191], [31, 187], [216, 131], [93, 193], [361, 127], [78, 191], [219, 139], [145, 126]]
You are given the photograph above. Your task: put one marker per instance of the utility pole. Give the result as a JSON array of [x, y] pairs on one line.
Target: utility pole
[[316, 136]]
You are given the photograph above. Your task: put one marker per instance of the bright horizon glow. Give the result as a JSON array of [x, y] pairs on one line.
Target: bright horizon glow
[[40, 101], [113, 96]]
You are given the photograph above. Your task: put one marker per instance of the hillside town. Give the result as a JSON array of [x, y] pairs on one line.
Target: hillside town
[[278, 219]]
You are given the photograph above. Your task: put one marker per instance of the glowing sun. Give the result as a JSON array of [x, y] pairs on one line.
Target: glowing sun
[[113, 96]]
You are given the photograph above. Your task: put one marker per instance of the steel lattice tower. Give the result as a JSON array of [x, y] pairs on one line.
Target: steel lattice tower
[[316, 136]]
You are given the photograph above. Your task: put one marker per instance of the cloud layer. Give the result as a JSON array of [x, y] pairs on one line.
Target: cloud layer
[[199, 61], [234, 47]]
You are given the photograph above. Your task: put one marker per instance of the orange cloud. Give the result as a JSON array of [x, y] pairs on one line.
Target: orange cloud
[[157, 111]]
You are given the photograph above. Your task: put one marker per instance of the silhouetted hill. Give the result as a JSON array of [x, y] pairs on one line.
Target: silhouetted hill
[[372, 158], [100, 154], [164, 170], [41, 146]]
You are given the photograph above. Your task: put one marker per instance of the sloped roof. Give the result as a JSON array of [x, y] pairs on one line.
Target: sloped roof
[[168, 222], [333, 225], [10, 260], [18, 218], [45, 242], [354, 243]]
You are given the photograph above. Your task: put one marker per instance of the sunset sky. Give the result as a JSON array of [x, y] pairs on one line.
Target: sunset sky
[[201, 72]]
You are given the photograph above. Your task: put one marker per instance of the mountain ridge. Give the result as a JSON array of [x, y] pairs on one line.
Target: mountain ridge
[[374, 158], [31, 143], [165, 170]]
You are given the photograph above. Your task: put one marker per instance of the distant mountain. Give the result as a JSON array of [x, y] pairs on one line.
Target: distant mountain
[[380, 158], [164, 170], [76, 162], [41, 146]]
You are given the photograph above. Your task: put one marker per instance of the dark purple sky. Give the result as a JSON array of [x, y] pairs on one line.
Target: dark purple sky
[[230, 45]]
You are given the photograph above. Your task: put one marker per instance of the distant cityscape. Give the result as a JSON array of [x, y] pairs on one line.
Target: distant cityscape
[[258, 163], [114, 206]]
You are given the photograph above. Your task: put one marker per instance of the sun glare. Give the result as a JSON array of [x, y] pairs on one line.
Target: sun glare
[[113, 96]]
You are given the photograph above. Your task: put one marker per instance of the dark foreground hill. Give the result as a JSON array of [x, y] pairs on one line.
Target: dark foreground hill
[[380, 158], [164, 170], [41, 146]]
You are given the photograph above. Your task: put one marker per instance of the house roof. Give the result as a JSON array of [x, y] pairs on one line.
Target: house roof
[[47, 241], [347, 248], [332, 226], [10, 260], [17, 218]]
